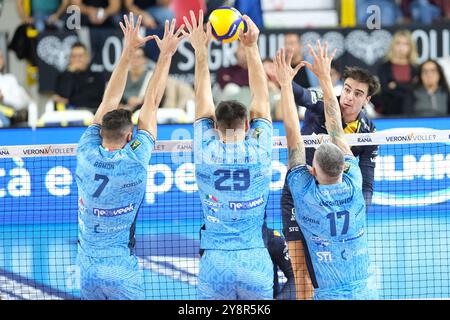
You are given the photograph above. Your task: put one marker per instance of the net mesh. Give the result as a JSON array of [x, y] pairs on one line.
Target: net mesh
[[408, 221]]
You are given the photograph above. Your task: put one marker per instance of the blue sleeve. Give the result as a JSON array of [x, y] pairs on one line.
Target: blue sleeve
[[90, 137], [310, 99], [261, 133], [142, 146], [353, 171], [298, 178]]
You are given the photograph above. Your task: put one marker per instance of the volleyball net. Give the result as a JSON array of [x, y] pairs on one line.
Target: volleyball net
[[408, 223]]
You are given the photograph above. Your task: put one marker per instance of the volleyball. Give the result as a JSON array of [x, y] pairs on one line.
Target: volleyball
[[226, 23]]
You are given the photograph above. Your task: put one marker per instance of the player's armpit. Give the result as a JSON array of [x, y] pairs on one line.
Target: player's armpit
[[297, 155]]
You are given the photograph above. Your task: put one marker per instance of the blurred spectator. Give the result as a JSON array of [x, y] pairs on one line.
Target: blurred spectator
[[176, 95], [445, 7], [44, 13], [422, 11], [389, 11], [14, 99], [153, 12], [233, 82], [78, 87], [432, 95], [397, 75], [99, 13], [293, 41]]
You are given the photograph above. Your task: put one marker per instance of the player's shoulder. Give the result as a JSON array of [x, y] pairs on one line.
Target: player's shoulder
[[366, 124]]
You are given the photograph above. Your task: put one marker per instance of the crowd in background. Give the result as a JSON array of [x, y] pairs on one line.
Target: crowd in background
[[407, 88]]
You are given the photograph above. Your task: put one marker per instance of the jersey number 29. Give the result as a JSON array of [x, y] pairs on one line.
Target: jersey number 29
[[240, 180]]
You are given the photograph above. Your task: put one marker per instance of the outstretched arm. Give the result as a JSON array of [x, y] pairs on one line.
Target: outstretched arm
[[285, 74], [157, 84], [200, 40], [333, 118], [260, 105], [116, 85]]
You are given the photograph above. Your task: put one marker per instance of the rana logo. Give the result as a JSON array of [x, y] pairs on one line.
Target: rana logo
[[410, 176]]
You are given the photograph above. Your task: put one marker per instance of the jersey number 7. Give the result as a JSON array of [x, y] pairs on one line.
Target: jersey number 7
[[102, 185]]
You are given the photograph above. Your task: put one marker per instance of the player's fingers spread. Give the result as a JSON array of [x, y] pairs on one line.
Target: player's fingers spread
[[307, 64], [122, 27], [157, 39], [208, 30], [283, 57], [184, 33], [193, 19], [319, 48], [148, 38], [179, 31], [127, 23], [132, 20], [333, 54], [311, 51], [138, 24], [188, 25], [280, 57], [172, 26], [200, 17], [325, 50], [298, 67], [290, 54], [166, 27]]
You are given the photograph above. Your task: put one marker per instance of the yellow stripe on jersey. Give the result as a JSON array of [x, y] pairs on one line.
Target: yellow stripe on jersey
[[352, 127]]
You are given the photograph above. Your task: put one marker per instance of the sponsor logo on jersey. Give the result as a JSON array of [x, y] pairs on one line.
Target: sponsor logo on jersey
[[81, 206], [104, 165], [316, 96], [357, 236], [113, 212], [132, 184], [246, 205], [347, 167], [212, 219], [99, 228], [320, 242], [324, 256], [257, 132], [135, 144], [347, 254], [211, 201], [310, 220], [203, 177]]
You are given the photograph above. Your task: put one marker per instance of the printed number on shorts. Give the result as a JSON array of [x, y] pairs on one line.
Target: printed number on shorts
[[102, 185], [332, 216], [240, 180]]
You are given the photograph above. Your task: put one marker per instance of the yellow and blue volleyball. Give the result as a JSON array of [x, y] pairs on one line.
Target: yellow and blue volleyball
[[226, 23]]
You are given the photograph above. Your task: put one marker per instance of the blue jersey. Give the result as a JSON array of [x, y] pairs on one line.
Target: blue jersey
[[111, 188], [233, 183], [332, 219]]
